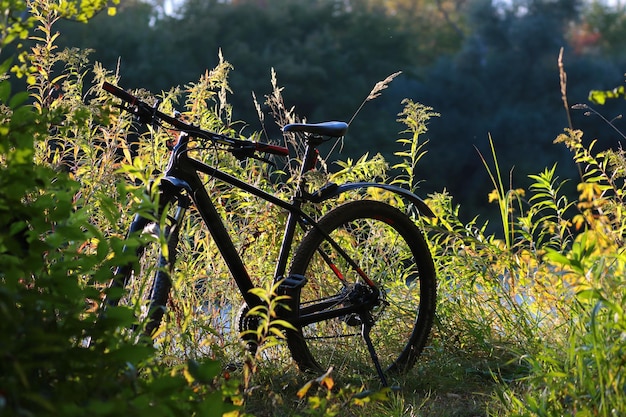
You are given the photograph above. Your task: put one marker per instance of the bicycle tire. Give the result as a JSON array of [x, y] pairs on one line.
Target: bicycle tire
[[392, 251], [147, 282]]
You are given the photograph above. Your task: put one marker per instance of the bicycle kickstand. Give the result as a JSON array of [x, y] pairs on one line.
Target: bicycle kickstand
[[365, 332]]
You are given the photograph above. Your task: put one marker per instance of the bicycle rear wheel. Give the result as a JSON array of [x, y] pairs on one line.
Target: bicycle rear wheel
[[391, 250]]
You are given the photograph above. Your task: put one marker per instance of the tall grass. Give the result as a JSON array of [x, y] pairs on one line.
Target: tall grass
[[582, 372]]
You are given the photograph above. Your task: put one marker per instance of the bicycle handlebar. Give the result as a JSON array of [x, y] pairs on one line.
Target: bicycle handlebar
[[147, 114]]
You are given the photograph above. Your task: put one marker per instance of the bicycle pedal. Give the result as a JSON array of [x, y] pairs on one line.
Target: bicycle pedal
[[293, 282]]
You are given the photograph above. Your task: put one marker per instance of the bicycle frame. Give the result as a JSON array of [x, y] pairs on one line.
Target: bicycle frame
[[182, 176]]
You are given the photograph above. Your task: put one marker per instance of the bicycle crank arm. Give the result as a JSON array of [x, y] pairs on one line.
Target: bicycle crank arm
[[313, 315]]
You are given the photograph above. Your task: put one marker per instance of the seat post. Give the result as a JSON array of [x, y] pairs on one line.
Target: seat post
[[311, 153]]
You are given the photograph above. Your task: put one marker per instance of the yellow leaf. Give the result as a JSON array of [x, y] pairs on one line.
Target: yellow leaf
[[361, 401], [494, 196], [188, 376], [111, 11], [328, 382], [302, 391], [520, 192], [579, 221]]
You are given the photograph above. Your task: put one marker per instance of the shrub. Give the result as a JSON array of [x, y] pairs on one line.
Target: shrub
[[58, 247]]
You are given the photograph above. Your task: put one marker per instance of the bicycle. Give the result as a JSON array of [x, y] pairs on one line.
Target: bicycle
[[363, 270]]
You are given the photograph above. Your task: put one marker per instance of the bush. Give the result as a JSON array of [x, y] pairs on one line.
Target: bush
[[58, 247]]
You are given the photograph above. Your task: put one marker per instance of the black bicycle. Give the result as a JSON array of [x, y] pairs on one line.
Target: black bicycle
[[361, 283]]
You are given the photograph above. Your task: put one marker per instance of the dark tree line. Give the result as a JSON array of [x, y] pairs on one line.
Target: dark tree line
[[489, 68]]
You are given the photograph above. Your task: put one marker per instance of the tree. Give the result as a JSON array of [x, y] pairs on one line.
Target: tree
[[503, 84], [604, 25], [438, 26], [326, 58]]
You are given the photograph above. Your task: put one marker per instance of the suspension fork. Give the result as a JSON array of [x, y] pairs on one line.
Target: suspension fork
[[168, 193]]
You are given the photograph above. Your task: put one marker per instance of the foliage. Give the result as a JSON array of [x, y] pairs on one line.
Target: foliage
[[59, 355], [415, 116], [17, 18], [553, 288], [600, 97], [604, 28], [583, 373]]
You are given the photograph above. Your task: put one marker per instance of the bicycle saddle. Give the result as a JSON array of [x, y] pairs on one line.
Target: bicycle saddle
[[334, 129]]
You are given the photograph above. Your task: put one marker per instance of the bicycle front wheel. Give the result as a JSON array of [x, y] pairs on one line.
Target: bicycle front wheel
[[391, 253], [147, 282]]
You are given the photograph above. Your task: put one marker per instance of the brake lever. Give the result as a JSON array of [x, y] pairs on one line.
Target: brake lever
[[134, 110], [248, 153], [143, 114]]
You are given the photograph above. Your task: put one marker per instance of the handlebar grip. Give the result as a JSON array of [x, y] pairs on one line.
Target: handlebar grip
[[118, 92]]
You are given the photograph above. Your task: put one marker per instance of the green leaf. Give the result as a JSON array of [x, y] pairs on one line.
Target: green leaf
[[131, 353], [600, 97], [597, 97], [166, 384], [5, 91], [589, 295], [204, 372], [6, 65], [558, 257], [18, 99], [213, 405]]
